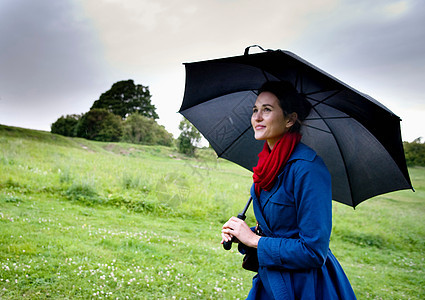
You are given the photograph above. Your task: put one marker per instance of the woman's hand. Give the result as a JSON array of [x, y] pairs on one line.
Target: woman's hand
[[236, 227]]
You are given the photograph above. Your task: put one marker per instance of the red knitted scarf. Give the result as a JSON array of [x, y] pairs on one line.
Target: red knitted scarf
[[270, 163]]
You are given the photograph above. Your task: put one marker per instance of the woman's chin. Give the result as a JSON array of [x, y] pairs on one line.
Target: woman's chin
[[259, 137]]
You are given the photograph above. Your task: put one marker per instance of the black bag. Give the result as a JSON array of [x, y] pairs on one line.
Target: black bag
[[250, 260]]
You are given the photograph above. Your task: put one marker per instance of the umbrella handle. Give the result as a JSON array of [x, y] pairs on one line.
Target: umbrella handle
[[228, 245], [242, 216], [247, 49]]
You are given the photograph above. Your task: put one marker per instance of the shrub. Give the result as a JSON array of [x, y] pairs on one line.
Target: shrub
[[138, 129], [415, 153], [66, 125], [83, 192], [100, 125]]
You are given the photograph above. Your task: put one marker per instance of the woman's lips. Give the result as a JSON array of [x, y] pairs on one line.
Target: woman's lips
[[259, 127]]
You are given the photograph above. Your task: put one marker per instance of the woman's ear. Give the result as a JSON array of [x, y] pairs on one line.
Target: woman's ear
[[292, 118]]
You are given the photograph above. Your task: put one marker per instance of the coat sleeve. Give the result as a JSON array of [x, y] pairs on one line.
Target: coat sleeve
[[313, 200]]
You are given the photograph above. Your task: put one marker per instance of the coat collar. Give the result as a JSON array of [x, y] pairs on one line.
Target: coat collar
[[301, 152]]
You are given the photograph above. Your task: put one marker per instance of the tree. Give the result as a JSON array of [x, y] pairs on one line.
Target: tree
[[125, 98], [66, 125], [189, 136], [415, 153], [138, 129], [100, 125]]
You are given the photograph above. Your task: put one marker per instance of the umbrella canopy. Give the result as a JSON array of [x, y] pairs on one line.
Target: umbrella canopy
[[358, 138]]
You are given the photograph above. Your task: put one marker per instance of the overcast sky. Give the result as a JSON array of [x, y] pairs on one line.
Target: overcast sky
[[58, 57]]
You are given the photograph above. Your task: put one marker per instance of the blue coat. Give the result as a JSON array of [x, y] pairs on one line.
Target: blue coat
[[296, 218]]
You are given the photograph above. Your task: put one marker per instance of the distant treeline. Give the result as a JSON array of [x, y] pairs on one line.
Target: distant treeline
[[415, 153], [122, 114]]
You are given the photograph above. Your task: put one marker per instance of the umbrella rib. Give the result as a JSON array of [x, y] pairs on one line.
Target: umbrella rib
[[327, 118], [227, 148], [318, 92], [297, 79], [342, 156], [265, 75], [323, 100], [314, 127]]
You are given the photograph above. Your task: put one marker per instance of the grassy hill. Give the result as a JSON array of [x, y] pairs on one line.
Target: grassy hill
[[84, 219]]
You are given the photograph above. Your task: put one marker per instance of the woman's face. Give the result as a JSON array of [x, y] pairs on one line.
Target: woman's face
[[268, 120]]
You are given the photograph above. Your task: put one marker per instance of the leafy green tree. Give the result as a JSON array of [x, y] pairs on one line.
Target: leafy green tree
[[100, 125], [415, 153], [188, 138], [66, 125], [162, 136], [139, 129], [125, 98]]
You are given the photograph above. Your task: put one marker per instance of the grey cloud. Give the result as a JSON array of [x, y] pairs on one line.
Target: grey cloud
[[51, 62], [46, 47], [363, 41]]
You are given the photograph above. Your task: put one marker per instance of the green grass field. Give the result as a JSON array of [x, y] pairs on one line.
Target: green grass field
[[84, 219]]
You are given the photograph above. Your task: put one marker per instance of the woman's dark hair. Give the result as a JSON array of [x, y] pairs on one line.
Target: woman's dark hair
[[289, 100]]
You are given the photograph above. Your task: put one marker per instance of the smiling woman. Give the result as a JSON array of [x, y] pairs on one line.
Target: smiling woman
[[270, 118], [292, 204]]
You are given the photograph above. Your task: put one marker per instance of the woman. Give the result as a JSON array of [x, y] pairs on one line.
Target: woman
[[292, 204]]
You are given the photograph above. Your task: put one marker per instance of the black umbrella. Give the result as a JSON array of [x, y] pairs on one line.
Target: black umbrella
[[358, 138]]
